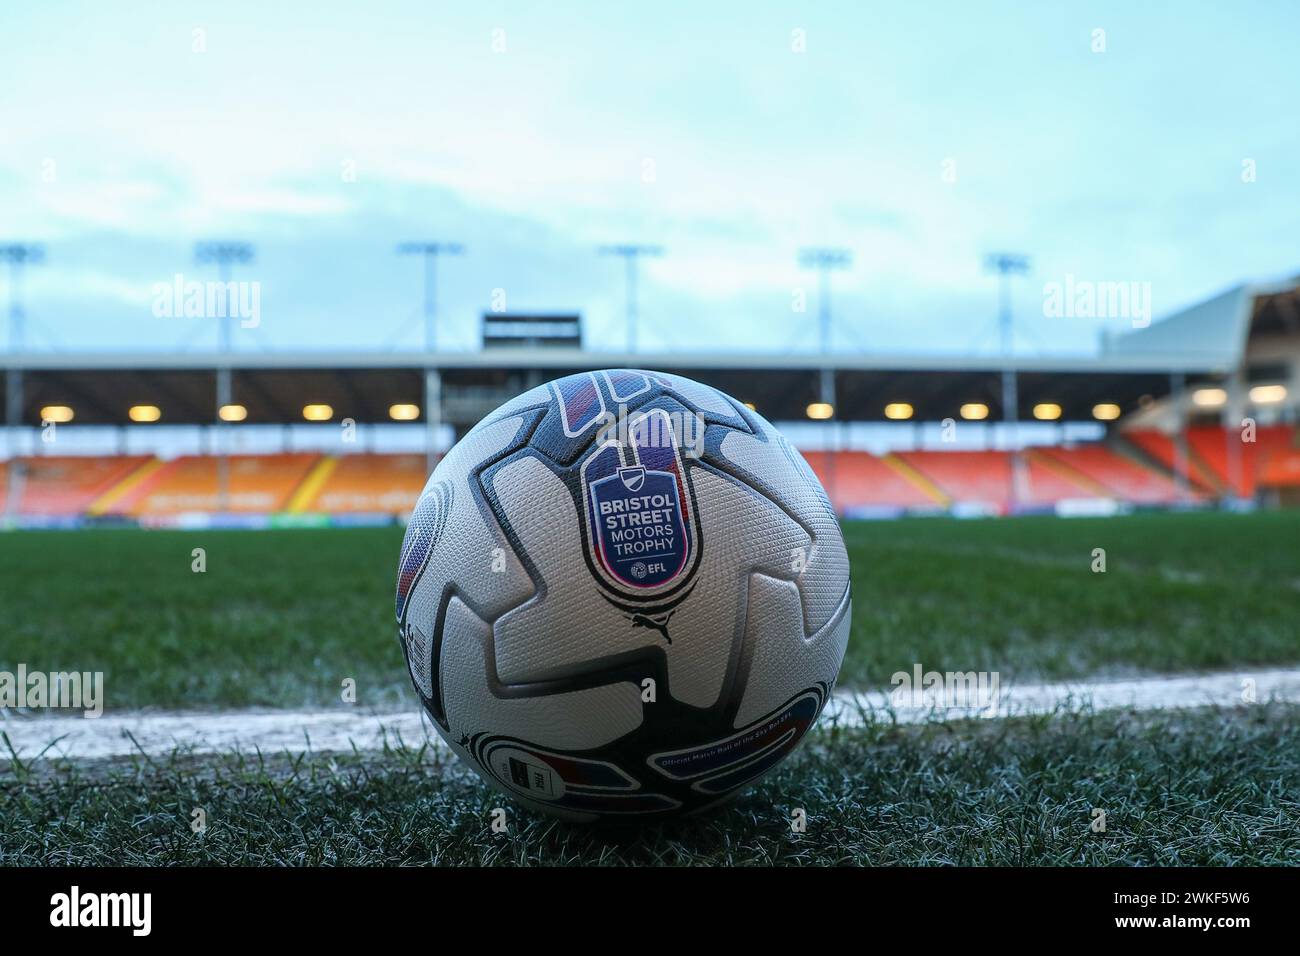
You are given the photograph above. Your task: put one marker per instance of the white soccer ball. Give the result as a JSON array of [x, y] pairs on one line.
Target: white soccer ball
[[623, 594]]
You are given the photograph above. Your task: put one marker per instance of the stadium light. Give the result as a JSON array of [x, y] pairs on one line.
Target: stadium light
[[144, 413], [1268, 394], [898, 411], [225, 254], [431, 251], [824, 260], [820, 411], [1047, 411], [631, 252], [1209, 397], [974, 411], [18, 255], [232, 413], [1006, 264], [1106, 412], [58, 414], [222, 252], [317, 413], [403, 412]]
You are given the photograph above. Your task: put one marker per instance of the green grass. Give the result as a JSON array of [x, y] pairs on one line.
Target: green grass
[[1200, 788], [1181, 592], [280, 618]]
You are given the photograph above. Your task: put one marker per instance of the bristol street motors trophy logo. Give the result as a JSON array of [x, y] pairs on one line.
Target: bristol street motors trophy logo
[[641, 535]]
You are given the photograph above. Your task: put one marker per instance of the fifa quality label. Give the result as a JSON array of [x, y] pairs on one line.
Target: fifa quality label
[[641, 536], [526, 772]]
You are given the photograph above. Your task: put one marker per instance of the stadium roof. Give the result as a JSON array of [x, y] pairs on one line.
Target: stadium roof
[[1213, 332], [279, 395], [1208, 337], [1203, 342], [1128, 361]]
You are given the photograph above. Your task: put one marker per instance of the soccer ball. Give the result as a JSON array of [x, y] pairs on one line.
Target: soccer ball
[[623, 594]]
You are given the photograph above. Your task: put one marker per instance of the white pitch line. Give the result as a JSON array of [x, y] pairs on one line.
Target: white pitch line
[[1229, 689], [275, 732]]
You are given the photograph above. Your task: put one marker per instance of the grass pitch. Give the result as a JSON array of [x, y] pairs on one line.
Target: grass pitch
[[1201, 788], [281, 618]]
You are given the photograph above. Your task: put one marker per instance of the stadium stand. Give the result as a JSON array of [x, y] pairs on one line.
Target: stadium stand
[[1214, 446], [1160, 447], [1115, 414], [1281, 470], [259, 484], [859, 481], [985, 478], [966, 477], [66, 485], [362, 484], [1279, 479], [1047, 482], [1119, 477]]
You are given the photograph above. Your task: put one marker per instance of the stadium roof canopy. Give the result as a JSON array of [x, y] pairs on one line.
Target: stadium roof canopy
[[1204, 342], [1132, 361], [277, 395], [1214, 332]]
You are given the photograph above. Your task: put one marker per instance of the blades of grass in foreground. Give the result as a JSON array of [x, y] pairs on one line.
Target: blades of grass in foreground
[[1195, 788]]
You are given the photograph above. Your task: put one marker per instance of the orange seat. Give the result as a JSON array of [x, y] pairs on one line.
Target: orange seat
[[67, 484], [1161, 447], [1121, 477], [257, 484], [975, 477], [377, 484], [858, 479], [1046, 482], [1215, 446], [1281, 469]]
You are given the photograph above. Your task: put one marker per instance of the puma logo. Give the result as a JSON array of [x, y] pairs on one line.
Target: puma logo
[[660, 625]]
